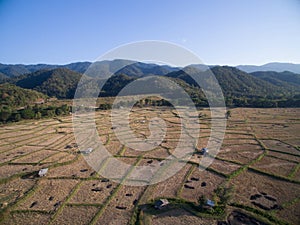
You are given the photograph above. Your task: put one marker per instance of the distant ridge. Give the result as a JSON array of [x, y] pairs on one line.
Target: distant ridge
[[10, 70], [132, 68], [274, 66]]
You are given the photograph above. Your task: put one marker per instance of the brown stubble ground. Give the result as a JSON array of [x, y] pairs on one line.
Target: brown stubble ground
[[264, 140]]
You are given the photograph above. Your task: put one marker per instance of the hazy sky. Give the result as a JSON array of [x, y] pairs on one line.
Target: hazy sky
[[218, 31]]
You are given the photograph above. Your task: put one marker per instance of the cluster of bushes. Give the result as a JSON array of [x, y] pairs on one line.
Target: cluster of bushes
[[7, 114]]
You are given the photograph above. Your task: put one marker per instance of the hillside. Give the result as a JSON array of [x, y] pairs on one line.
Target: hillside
[[60, 82], [3, 77], [14, 97], [13, 70], [279, 78], [115, 84], [106, 68], [139, 69], [233, 82]]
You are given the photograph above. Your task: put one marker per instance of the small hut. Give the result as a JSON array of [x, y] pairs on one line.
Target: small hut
[[204, 151], [159, 204], [43, 172], [210, 203], [87, 151]]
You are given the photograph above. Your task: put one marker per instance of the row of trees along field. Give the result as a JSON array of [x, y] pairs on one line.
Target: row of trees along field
[[8, 114], [256, 102]]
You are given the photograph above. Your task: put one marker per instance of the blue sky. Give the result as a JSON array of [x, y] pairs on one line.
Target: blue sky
[[218, 31]]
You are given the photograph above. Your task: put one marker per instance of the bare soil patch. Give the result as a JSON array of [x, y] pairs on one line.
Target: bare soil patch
[[249, 183], [292, 213], [280, 146], [12, 191], [28, 218], [180, 216], [79, 168], [243, 157], [76, 215], [58, 189], [35, 157], [275, 166], [93, 191], [224, 167], [206, 185], [170, 187], [10, 170]]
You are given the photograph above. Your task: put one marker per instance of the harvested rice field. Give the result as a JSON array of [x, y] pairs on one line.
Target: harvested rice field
[[254, 178]]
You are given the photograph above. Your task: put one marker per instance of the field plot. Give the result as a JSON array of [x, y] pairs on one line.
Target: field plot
[[76, 215], [173, 216], [255, 176], [30, 218], [121, 207], [200, 183], [49, 195], [275, 166], [93, 192]]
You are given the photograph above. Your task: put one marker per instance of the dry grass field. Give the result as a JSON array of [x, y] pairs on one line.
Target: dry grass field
[[259, 161]]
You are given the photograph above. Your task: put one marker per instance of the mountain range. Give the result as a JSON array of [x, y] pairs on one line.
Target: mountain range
[[275, 66], [240, 88], [14, 70], [10, 71]]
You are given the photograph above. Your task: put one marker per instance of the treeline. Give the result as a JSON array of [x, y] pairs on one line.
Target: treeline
[[141, 103], [8, 114], [255, 102], [263, 102]]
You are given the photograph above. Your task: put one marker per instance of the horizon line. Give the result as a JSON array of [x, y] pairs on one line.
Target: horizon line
[[206, 64]]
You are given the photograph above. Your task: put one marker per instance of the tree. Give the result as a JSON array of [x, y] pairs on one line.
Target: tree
[[5, 114], [105, 106], [228, 114], [27, 113], [224, 194], [65, 108], [147, 101], [59, 111], [50, 112], [202, 201], [17, 117], [38, 115]]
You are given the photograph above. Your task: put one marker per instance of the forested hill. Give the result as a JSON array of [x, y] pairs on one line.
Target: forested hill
[[60, 83], [279, 78], [240, 88], [235, 82], [14, 97]]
